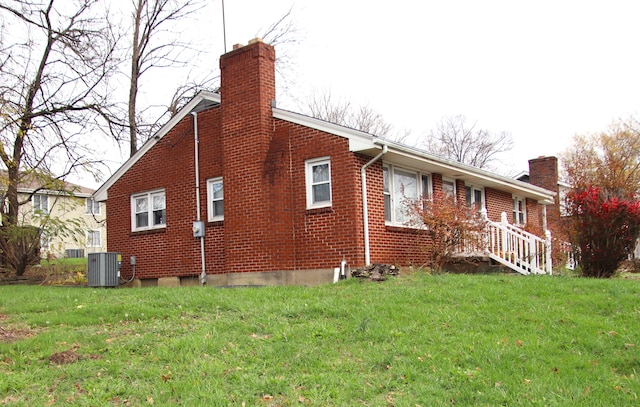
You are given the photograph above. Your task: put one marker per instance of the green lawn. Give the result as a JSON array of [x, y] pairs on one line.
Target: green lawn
[[417, 339]]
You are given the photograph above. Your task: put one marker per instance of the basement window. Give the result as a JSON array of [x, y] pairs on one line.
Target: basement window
[[215, 199], [148, 211], [318, 180]]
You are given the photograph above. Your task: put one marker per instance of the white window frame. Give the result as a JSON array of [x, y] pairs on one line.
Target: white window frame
[[211, 216], [91, 238], [516, 212], [38, 207], [150, 225], [423, 179], [91, 207], [310, 184], [471, 198], [455, 187]]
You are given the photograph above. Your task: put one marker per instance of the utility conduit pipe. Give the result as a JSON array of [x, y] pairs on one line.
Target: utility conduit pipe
[[196, 140], [365, 210]]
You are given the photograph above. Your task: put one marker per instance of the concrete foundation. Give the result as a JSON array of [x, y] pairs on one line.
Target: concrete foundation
[[271, 278]]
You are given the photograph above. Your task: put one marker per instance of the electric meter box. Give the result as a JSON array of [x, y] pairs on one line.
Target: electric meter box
[[103, 269], [198, 228]]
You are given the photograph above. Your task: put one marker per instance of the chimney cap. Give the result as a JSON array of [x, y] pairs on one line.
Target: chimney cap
[[253, 41]]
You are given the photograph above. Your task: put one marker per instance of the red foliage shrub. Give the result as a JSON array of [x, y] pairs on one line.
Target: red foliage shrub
[[603, 229], [452, 226]]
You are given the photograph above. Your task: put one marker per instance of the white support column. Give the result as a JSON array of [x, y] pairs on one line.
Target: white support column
[[504, 236], [548, 248]]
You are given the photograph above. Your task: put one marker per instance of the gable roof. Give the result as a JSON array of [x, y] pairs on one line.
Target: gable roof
[[30, 184], [202, 101], [359, 142]]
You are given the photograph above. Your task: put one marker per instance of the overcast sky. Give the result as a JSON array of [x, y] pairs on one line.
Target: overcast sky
[[542, 70]]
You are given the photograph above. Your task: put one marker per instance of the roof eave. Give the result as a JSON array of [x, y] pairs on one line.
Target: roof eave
[[102, 193], [460, 171], [369, 144]]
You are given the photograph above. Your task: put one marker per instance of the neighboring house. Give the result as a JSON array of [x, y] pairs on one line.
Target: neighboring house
[[76, 208], [238, 192]]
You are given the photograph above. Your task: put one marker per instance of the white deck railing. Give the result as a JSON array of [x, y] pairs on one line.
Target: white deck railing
[[521, 251]]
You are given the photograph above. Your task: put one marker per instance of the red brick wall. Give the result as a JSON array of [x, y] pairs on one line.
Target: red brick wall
[[391, 244], [534, 214], [497, 202], [170, 251], [323, 236]]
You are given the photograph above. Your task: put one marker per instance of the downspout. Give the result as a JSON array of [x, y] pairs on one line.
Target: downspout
[[365, 210], [196, 140]]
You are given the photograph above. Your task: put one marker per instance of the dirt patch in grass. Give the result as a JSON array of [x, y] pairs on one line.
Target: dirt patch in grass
[[64, 358], [10, 334]]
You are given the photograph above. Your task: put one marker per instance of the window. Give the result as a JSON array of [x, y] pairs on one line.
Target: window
[[401, 187], [387, 194], [148, 211], [449, 187], [92, 207], [94, 238], [40, 204], [318, 175], [475, 197], [519, 211], [215, 199]]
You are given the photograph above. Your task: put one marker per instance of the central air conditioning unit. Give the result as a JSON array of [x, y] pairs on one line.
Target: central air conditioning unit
[[103, 269]]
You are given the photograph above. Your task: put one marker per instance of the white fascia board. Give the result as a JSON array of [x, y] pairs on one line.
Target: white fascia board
[[358, 140], [102, 193]]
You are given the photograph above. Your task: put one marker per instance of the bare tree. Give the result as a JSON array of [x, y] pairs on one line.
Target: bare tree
[[322, 106], [154, 45], [283, 34], [457, 140], [53, 80]]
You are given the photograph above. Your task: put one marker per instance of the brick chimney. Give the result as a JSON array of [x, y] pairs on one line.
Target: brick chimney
[[543, 172], [247, 90]]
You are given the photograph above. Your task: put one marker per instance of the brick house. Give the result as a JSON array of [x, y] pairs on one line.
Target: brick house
[[236, 191]]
